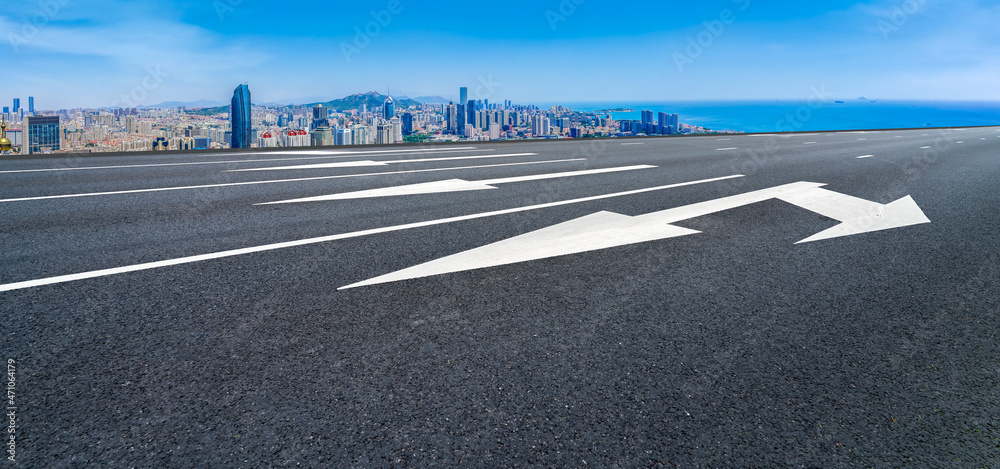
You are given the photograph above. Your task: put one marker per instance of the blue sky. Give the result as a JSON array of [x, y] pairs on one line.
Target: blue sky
[[91, 53]]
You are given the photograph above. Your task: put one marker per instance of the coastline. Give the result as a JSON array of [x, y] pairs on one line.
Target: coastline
[[788, 115]]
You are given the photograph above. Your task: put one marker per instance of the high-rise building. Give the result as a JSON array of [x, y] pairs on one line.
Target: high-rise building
[[407, 124], [647, 117], [463, 95], [342, 137], [322, 136], [470, 109], [397, 130], [389, 108], [6, 110], [241, 118], [663, 123], [383, 133], [31, 104], [450, 115], [41, 134], [361, 135], [461, 118], [321, 116], [541, 125]]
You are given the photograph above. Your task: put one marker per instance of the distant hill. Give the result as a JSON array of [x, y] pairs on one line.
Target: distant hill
[[372, 99], [204, 103], [432, 100], [209, 111]]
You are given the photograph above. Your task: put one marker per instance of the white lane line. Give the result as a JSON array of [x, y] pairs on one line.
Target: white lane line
[[725, 149], [325, 239], [355, 164], [452, 185], [156, 165], [959, 143], [924, 148], [860, 139], [250, 183], [865, 156], [723, 139], [898, 136], [810, 143], [634, 143]]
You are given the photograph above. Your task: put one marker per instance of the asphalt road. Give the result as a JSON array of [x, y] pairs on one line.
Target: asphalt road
[[732, 347]]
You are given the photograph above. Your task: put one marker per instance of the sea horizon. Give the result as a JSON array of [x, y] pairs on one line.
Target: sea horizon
[[804, 115]]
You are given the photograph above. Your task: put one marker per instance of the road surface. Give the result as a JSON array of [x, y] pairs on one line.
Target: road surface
[[827, 299]]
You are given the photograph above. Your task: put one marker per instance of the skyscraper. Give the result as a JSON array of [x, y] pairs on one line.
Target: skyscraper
[[461, 119], [321, 116], [470, 109], [663, 122], [389, 108], [407, 124], [241, 117], [41, 134], [322, 135], [451, 118], [647, 117], [17, 105], [383, 133], [463, 95], [342, 137], [31, 104]]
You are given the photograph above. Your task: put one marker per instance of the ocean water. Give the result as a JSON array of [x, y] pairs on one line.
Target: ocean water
[[779, 116]]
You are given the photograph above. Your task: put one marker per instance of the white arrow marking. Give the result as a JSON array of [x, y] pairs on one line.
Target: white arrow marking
[[605, 229], [354, 164], [601, 230], [865, 156], [856, 215], [451, 185]]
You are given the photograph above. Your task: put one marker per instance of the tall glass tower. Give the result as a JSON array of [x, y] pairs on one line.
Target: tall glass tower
[[241, 118], [31, 104], [389, 108]]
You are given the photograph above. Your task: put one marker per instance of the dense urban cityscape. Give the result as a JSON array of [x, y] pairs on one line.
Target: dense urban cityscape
[[362, 119]]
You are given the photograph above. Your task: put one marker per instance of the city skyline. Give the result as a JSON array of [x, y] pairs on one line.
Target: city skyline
[[125, 54]]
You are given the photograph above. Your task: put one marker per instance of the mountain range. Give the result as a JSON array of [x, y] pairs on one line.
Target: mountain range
[[372, 99]]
